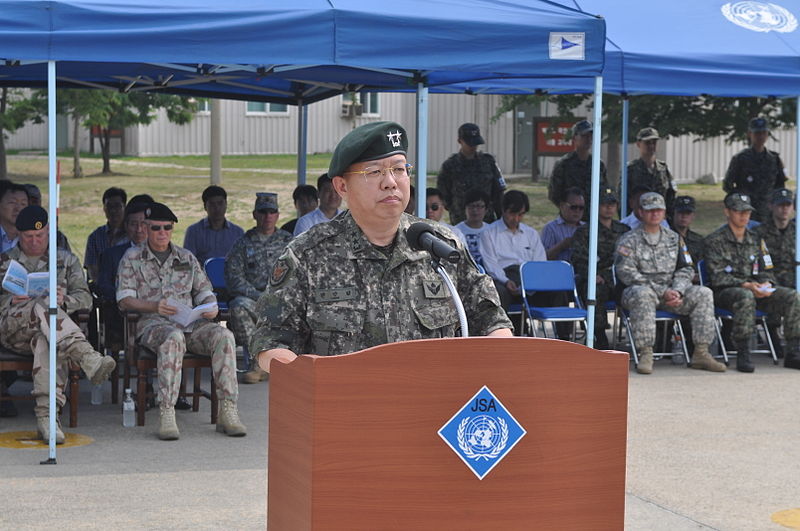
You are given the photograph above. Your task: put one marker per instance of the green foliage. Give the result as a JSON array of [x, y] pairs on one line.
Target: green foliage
[[17, 108]]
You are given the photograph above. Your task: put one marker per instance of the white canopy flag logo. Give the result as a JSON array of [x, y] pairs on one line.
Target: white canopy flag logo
[[760, 16]]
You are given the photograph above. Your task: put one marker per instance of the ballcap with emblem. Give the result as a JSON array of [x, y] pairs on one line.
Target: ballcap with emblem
[[32, 217], [652, 201], [758, 124], [782, 196], [160, 212], [266, 201], [584, 127], [471, 134], [371, 141], [684, 203], [607, 195], [648, 133], [738, 202]]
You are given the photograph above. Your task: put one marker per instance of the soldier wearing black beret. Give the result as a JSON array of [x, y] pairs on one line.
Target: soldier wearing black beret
[[355, 282]]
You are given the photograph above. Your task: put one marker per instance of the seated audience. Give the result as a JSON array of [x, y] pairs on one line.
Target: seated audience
[[108, 235], [329, 203], [35, 198], [557, 235], [476, 203], [213, 235], [305, 200], [632, 220], [13, 198], [435, 208]]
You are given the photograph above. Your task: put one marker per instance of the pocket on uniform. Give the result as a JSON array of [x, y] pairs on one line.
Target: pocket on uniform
[[334, 329], [435, 315]]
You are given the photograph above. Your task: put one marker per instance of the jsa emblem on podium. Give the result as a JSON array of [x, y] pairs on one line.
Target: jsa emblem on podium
[[482, 432]]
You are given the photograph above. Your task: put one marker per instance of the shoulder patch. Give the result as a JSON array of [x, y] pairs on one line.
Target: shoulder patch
[[279, 271], [624, 251]]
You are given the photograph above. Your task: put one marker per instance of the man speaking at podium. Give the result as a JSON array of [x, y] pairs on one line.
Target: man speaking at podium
[[355, 282]]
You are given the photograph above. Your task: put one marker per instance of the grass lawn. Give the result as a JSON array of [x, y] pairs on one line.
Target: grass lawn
[[179, 182]]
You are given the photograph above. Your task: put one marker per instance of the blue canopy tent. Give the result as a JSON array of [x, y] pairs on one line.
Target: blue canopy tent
[[293, 52]]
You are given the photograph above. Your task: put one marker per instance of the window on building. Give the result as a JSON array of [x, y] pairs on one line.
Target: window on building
[[370, 101], [262, 107], [203, 106]]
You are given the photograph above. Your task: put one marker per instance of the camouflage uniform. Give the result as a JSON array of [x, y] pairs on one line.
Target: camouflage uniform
[[181, 278], [729, 264], [24, 327], [757, 175], [606, 244], [694, 243], [781, 245], [459, 175], [333, 292], [247, 269], [648, 270], [658, 180], [570, 171]]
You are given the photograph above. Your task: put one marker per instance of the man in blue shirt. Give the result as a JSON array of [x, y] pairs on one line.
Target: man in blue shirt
[[213, 235], [108, 235]]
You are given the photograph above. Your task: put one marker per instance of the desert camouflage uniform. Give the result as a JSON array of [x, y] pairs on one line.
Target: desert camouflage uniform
[[247, 270], [459, 175], [648, 270], [24, 327], [729, 264], [570, 171], [333, 292], [757, 175], [659, 180], [781, 245], [606, 244], [181, 278]]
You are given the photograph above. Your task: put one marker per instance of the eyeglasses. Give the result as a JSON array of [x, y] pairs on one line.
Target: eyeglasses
[[433, 206], [156, 228], [576, 208], [400, 171]]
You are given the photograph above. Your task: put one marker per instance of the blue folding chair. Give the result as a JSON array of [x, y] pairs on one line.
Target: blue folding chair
[[548, 277], [215, 271], [721, 314]]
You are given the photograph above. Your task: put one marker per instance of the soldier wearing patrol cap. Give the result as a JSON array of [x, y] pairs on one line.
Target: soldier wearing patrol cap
[[648, 171], [756, 171], [683, 218], [740, 268], [609, 231], [355, 282], [653, 264], [153, 275], [247, 270], [24, 325], [574, 170], [469, 170]]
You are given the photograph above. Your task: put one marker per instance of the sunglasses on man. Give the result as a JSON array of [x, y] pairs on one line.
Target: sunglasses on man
[[156, 228]]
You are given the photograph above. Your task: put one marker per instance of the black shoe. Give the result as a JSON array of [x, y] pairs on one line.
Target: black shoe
[[792, 360], [182, 404], [743, 363], [601, 342], [8, 409]]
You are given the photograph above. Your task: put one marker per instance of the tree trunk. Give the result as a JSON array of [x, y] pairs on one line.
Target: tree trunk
[[77, 171], [3, 162], [105, 148]]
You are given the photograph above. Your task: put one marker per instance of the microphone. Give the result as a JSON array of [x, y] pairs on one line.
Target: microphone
[[421, 237]]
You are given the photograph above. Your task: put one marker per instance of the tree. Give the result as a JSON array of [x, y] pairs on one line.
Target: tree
[[16, 108]]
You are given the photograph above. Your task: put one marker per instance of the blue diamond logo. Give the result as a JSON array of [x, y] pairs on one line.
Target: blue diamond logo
[[482, 432]]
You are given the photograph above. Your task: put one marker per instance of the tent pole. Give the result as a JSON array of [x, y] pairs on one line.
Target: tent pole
[[594, 212], [797, 196], [422, 147], [623, 160], [302, 141], [51, 253], [216, 142]]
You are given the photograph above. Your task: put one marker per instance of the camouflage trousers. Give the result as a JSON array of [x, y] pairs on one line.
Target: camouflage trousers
[[243, 319], [784, 302], [170, 343], [642, 303], [24, 328]]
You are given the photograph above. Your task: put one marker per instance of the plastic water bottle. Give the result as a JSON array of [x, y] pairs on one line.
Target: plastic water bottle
[[97, 394], [678, 358], [128, 410]]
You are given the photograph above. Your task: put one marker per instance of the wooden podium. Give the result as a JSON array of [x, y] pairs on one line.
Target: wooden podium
[[354, 442]]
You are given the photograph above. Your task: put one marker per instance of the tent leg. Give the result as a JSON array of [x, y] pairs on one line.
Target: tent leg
[[591, 289], [422, 147], [302, 142], [623, 160]]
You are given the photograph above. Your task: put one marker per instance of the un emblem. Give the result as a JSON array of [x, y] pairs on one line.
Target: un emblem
[[482, 432], [760, 16]]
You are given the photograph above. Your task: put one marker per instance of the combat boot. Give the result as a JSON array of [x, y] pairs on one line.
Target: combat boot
[[228, 421], [169, 428], [43, 429], [792, 359], [97, 367], [645, 365], [255, 375], [702, 359], [743, 362]]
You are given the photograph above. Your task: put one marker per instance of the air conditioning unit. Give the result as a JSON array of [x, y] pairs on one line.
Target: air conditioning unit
[[347, 110], [358, 109]]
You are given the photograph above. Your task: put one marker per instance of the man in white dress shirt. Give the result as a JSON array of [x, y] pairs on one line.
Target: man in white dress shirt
[[329, 203]]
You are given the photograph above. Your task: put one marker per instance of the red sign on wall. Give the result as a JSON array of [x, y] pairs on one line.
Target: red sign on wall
[[553, 140]]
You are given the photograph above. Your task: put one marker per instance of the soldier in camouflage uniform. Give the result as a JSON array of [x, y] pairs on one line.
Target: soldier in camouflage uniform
[[648, 171], [657, 270], [24, 324], [574, 170], [467, 170], [756, 171], [740, 269], [608, 232], [682, 221], [355, 282], [247, 271], [153, 275]]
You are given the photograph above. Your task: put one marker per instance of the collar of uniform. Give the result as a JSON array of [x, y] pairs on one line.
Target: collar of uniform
[[748, 235], [147, 253], [360, 246]]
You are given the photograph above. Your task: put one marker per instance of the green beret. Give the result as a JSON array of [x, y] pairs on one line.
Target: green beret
[[160, 212], [370, 141], [31, 217]]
